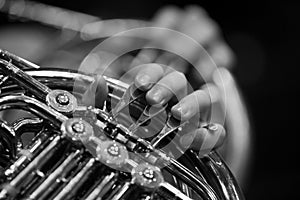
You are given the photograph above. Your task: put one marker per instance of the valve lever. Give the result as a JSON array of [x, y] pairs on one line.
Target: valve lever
[[130, 95]]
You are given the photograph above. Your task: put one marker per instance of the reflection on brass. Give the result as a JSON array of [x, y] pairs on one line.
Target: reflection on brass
[[85, 152]]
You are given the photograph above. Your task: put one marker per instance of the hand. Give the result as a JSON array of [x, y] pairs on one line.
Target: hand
[[194, 22], [161, 86]]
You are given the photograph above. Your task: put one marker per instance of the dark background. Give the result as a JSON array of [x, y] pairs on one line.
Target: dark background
[[265, 38]]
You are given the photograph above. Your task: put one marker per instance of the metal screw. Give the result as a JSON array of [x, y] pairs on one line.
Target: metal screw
[[113, 150], [78, 127], [62, 99], [148, 173]]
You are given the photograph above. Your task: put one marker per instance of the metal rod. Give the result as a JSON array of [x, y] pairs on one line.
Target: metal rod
[[49, 183], [35, 87], [33, 105], [169, 191], [15, 183], [106, 180]]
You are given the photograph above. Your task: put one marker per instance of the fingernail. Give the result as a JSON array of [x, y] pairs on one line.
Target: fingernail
[[143, 81], [180, 110], [176, 111], [213, 127], [157, 97]]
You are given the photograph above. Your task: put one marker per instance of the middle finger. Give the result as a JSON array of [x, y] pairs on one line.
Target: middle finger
[[173, 84]]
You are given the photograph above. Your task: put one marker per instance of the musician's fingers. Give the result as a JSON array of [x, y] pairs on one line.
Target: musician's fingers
[[96, 93], [143, 57], [192, 22], [195, 103], [196, 24], [172, 84], [166, 17], [204, 139], [221, 54], [108, 28], [199, 26], [204, 30], [148, 75]]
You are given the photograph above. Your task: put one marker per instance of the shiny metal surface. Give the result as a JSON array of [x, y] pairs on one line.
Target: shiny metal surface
[[94, 153]]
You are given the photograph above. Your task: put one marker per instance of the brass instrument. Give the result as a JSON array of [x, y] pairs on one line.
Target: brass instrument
[[85, 152]]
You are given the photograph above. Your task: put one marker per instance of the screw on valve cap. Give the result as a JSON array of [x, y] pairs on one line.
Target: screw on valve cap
[[112, 153], [77, 129], [61, 100], [147, 175]]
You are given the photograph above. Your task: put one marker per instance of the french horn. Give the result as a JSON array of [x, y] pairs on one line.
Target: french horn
[[86, 152]]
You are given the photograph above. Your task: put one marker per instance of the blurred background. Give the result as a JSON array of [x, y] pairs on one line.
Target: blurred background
[[264, 35]]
